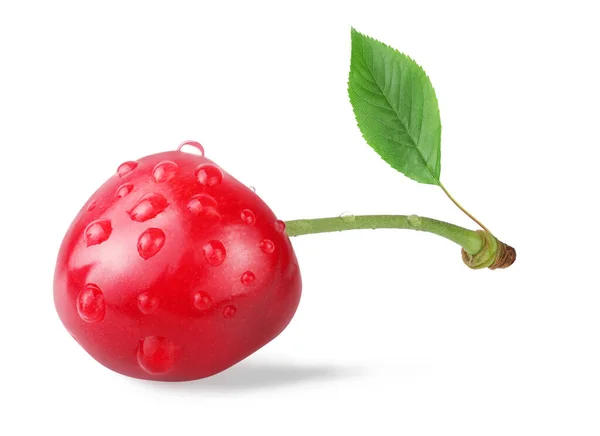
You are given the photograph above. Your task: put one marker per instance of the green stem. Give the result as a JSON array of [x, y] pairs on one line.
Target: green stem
[[470, 240]]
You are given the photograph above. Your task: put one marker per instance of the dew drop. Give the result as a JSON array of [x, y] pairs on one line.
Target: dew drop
[[209, 175], [279, 226], [202, 204], [248, 216], [92, 205], [267, 246], [124, 190], [202, 301], [247, 278], [414, 221], [214, 252], [97, 232], [150, 242], [156, 355], [148, 207], [252, 188], [164, 171], [347, 217], [146, 303], [90, 304], [194, 144], [126, 167], [229, 312]]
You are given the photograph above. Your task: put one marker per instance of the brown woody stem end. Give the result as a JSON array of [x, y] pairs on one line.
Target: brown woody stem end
[[494, 254]]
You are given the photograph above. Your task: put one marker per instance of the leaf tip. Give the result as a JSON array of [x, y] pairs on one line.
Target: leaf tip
[[355, 34]]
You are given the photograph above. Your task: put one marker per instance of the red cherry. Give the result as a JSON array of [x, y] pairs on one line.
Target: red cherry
[[175, 271]]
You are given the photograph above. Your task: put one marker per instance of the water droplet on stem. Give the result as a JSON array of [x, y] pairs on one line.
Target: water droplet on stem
[[414, 221], [347, 217]]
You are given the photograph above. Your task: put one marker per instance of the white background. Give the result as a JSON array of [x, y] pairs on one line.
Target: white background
[[394, 335]]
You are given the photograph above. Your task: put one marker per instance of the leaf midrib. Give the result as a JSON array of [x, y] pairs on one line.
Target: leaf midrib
[[405, 170], [374, 80]]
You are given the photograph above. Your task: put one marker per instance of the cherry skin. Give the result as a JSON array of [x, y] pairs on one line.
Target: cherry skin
[[174, 270]]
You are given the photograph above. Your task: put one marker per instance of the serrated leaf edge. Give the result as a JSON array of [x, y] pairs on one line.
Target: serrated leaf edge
[[437, 170]]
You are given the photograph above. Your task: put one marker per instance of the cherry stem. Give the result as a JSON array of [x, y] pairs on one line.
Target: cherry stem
[[469, 240]]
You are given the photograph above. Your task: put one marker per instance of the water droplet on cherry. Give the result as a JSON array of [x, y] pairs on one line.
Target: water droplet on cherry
[[146, 303], [252, 188], [229, 311], [247, 278], [150, 242], [279, 226], [214, 252], [156, 355], [92, 205], [164, 171], [124, 190], [90, 304], [209, 175], [148, 207], [194, 144], [267, 246], [126, 167], [248, 216], [202, 301], [97, 232], [202, 204]]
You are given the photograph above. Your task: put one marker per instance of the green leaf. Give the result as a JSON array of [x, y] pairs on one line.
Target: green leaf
[[396, 108]]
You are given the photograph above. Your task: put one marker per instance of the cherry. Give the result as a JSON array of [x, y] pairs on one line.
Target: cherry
[[174, 270]]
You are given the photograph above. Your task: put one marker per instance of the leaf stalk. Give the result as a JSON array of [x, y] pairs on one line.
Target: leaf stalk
[[465, 211]]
